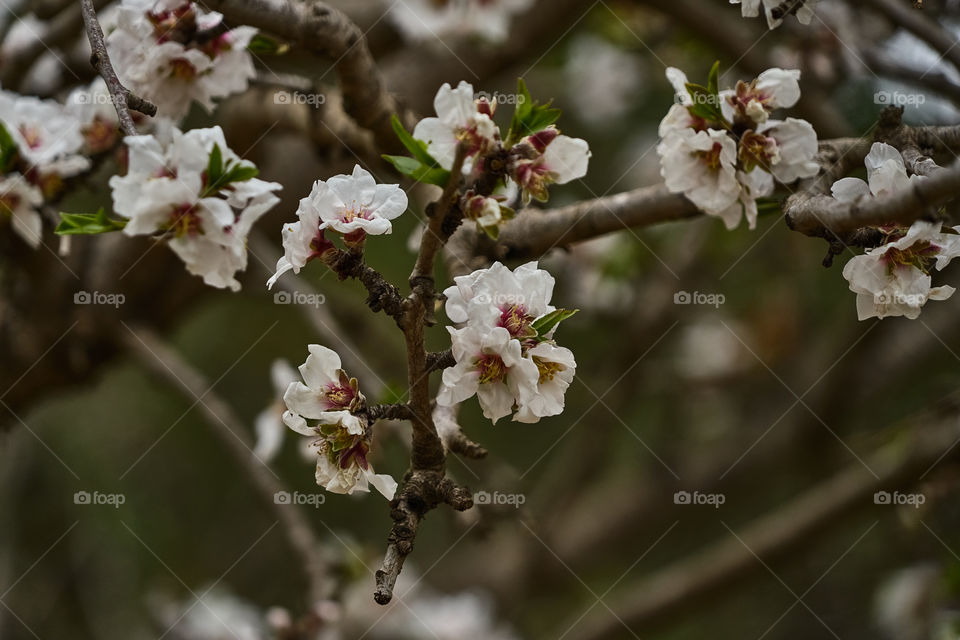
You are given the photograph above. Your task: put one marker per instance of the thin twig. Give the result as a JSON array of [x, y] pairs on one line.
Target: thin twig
[[123, 98]]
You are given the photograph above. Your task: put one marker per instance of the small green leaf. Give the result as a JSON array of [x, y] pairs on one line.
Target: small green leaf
[[215, 165], [417, 148], [713, 80], [88, 223], [529, 117], [264, 45], [8, 149], [240, 173], [418, 171], [544, 324]]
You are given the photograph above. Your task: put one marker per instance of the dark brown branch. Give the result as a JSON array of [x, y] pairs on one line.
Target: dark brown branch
[[123, 98], [383, 296], [318, 27], [440, 360], [389, 412]]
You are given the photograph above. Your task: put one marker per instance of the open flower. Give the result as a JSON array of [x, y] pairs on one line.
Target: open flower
[[328, 407], [498, 297], [546, 158], [701, 165], [754, 101], [352, 205], [886, 174], [556, 367], [459, 121], [167, 190], [796, 143], [894, 279], [490, 365], [47, 137], [173, 53]]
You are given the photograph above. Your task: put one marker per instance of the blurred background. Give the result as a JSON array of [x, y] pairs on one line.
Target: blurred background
[[774, 413]]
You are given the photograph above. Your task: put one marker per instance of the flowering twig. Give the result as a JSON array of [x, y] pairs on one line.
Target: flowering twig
[[123, 98]]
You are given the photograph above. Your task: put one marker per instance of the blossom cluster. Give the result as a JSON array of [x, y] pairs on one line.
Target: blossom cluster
[[203, 198], [722, 150], [505, 352], [534, 153], [329, 408], [430, 19], [776, 10], [41, 143], [894, 279], [352, 206], [172, 52]]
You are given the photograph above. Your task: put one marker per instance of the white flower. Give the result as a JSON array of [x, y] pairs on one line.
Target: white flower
[[93, 108], [894, 279], [886, 174], [172, 54], [701, 165], [751, 9], [268, 424], [754, 101], [345, 204], [797, 147], [47, 136], [165, 190], [18, 203], [348, 471], [428, 19], [328, 396], [548, 158], [330, 400], [486, 212], [498, 297], [458, 121], [490, 365], [755, 184], [556, 367]]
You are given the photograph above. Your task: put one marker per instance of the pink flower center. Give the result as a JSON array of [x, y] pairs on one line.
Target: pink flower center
[[31, 135], [491, 368], [337, 396], [711, 158], [514, 318], [184, 221], [349, 214]]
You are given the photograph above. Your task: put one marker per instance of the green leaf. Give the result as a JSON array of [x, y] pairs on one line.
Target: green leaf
[[240, 173], [417, 148], [419, 171], [544, 324], [713, 80], [264, 45], [72, 224], [215, 165], [529, 116], [8, 149]]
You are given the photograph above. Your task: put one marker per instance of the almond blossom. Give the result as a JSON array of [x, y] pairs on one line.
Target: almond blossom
[[93, 108], [894, 279], [886, 174], [168, 189], [353, 205], [723, 151], [328, 406], [173, 53], [460, 120], [546, 158], [41, 149], [503, 355]]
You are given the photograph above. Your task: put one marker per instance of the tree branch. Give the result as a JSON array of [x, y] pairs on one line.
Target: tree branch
[[123, 98]]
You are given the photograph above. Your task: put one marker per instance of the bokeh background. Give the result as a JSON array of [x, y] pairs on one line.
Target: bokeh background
[[776, 394]]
